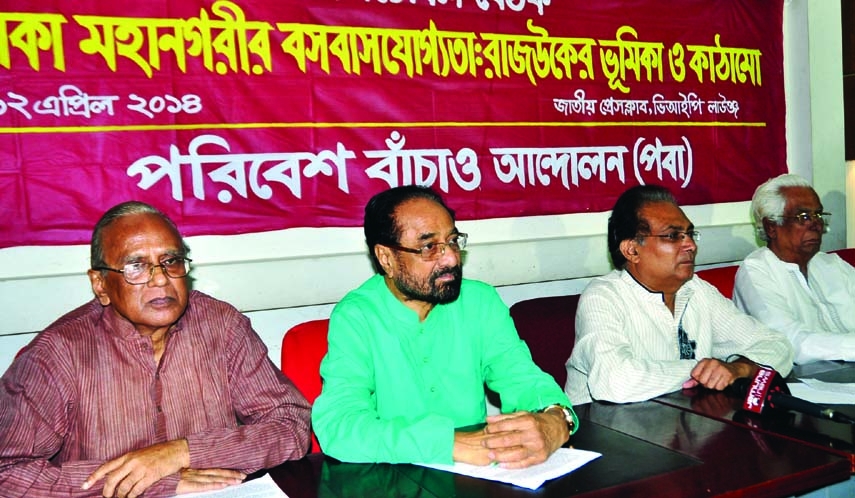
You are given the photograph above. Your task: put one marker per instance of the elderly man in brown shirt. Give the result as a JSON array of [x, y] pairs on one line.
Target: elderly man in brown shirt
[[150, 387]]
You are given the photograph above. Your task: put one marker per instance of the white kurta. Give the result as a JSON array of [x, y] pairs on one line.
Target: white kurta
[[626, 339], [816, 314]]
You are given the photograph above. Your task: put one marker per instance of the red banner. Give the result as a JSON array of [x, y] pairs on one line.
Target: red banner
[[238, 117]]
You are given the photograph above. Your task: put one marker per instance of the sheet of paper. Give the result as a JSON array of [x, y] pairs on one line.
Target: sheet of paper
[[563, 461], [826, 393], [263, 487]]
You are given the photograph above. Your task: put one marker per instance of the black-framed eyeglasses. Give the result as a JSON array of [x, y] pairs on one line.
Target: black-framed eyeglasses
[[141, 272], [435, 250], [677, 236], [806, 217]]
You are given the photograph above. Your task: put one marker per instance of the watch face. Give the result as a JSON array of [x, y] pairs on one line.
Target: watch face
[[568, 415]]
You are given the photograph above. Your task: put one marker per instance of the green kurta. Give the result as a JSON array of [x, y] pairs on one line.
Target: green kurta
[[396, 388]]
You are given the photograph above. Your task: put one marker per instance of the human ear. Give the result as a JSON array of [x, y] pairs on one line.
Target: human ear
[[99, 286], [385, 258], [771, 229], [629, 249]]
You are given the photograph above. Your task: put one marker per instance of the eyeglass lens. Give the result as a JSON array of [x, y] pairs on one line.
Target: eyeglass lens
[[137, 273], [435, 250]]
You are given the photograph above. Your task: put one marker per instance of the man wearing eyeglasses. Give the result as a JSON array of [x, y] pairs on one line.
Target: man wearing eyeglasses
[[148, 388], [650, 328], [411, 349], [790, 285]]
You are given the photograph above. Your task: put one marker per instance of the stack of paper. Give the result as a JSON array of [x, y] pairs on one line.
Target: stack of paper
[[563, 461], [263, 487], [827, 393]]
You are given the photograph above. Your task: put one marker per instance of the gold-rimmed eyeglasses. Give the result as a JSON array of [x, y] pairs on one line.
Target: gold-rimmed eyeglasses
[[806, 217], [435, 250], [141, 272]]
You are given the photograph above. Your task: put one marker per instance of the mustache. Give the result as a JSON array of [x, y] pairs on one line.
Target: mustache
[[455, 271]]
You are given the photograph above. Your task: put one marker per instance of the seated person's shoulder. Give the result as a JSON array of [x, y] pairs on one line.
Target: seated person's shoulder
[[706, 290], [476, 286], [77, 324], [79, 316], [831, 260], [609, 283], [371, 291], [214, 315], [199, 298]]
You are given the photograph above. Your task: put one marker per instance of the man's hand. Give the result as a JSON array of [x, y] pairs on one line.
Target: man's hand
[[521, 439], [469, 448], [132, 473], [716, 374], [196, 480]]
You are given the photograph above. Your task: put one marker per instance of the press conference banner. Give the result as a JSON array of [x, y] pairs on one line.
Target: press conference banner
[[247, 116]]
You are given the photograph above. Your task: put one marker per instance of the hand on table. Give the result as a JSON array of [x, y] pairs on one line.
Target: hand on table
[[196, 480], [129, 475], [514, 440]]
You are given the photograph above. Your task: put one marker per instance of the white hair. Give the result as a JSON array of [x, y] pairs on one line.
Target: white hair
[[768, 201]]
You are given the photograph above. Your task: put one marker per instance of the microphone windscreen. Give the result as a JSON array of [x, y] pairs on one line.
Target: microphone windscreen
[[758, 389]]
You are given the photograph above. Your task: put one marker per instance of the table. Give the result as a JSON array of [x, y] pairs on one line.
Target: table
[[649, 449], [831, 436]]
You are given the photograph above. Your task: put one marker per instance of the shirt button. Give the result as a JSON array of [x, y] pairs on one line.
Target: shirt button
[[159, 409], [426, 359], [433, 389]]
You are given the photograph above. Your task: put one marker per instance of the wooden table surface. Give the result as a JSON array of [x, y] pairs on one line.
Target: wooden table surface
[[835, 437], [649, 449]]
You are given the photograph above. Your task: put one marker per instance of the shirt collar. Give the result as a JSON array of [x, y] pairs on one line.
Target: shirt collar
[[642, 290], [399, 311], [684, 292]]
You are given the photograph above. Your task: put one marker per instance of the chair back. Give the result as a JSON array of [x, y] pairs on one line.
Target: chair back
[[723, 278], [548, 326], [303, 348]]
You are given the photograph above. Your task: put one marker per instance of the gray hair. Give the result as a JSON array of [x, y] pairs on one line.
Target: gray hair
[[96, 248], [768, 201]]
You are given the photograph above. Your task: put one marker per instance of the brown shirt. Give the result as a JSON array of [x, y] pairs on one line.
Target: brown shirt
[[87, 389]]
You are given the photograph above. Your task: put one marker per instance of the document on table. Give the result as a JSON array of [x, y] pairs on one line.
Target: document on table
[[563, 461], [263, 487], [830, 393]]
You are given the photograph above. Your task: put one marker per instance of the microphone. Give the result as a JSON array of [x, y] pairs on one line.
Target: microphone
[[767, 391]]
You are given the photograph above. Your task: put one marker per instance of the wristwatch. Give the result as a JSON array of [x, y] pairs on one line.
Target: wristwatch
[[568, 415]]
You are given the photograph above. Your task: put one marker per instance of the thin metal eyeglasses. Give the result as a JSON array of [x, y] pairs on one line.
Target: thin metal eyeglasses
[[142, 272], [805, 217], [677, 236], [435, 250]]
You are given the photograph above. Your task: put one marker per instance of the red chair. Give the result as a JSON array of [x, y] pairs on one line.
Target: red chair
[[303, 348], [723, 278], [548, 326], [847, 255]]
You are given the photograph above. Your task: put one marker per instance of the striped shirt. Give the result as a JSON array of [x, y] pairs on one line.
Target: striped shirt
[[627, 346], [87, 390]]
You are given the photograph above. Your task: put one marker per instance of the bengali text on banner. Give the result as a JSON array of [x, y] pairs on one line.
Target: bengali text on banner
[[236, 116]]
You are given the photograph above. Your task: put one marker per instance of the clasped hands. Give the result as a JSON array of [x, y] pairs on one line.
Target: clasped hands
[[513, 440], [131, 474]]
